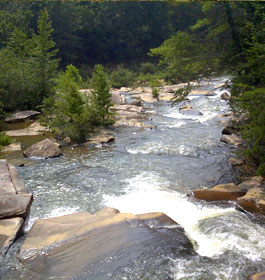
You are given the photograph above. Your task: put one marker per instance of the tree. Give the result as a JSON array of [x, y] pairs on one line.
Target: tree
[[68, 112], [100, 97], [44, 55]]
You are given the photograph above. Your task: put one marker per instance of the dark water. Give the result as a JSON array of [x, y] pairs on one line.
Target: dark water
[[151, 170]]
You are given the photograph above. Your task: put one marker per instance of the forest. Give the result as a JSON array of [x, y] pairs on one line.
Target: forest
[[48, 51]]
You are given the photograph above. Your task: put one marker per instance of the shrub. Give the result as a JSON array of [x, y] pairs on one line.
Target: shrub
[[122, 77]]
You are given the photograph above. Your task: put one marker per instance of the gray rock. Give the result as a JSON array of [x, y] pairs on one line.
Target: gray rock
[[225, 96], [44, 149], [21, 116]]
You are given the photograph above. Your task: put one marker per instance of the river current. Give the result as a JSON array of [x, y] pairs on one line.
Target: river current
[[152, 170]]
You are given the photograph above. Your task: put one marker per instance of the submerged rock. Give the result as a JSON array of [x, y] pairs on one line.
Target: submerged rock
[[93, 246], [44, 149], [23, 115], [219, 192]]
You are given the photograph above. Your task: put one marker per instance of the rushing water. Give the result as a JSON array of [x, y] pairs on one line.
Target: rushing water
[[152, 170]]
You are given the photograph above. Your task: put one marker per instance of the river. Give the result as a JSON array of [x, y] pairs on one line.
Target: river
[[151, 170]]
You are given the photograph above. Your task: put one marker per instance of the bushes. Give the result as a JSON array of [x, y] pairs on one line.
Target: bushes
[[4, 140], [122, 77]]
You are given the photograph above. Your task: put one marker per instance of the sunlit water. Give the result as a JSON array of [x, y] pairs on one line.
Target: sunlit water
[[152, 171]]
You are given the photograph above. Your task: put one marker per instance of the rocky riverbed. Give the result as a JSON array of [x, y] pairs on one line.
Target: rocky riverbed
[[148, 162]]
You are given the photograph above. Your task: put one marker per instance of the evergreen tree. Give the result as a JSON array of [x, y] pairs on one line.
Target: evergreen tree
[[100, 97], [44, 55]]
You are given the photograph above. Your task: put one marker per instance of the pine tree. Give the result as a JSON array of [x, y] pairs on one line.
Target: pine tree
[[101, 97], [44, 54]]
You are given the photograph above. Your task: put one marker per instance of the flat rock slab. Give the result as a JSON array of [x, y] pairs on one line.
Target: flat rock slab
[[43, 149], [15, 147], [94, 246], [21, 116], [219, 192], [22, 132], [9, 229]]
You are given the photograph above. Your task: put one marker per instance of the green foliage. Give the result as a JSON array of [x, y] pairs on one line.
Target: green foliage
[[182, 56], [44, 53], [155, 84], [4, 140], [181, 94], [68, 112], [27, 69], [100, 97], [121, 77], [253, 103]]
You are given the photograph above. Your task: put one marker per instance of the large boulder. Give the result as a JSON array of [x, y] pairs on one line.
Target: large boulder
[[43, 149], [249, 184], [253, 201], [95, 246], [9, 230], [21, 116], [232, 139], [219, 192]]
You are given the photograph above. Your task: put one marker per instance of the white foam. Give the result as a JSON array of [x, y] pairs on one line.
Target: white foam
[[145, 194]]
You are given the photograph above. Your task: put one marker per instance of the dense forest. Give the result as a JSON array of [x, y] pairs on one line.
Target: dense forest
[[49, 50]]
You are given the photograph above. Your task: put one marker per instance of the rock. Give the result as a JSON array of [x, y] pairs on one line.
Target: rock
[[201, 93], [36, 126], [235, 161], [184, 107], [66, 141], [127, 108], [15, 205], [249, 184], [232, 139], [117, 98], [220, 192], [15, 147], [9, 230], [226, 96], [253, 201], [257, 276], [34, 129], [99, 137], [21, 116], [44, 149], [85, 245], [22, 132], [246, 170], [191, 112]]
